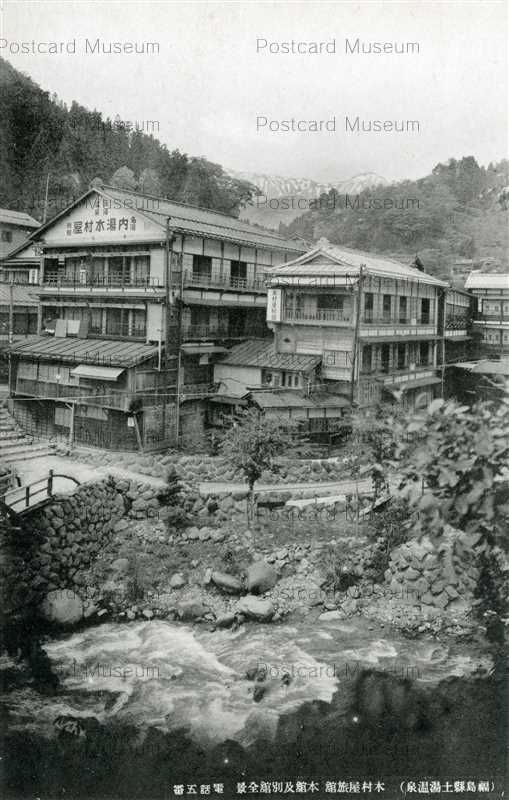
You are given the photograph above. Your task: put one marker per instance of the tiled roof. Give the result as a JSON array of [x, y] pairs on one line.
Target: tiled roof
[[21, 295], [87, 351], [262, 353], [200, 221], [487, 280], [18, 218], [333, 261], [18, 255], [292, 399]]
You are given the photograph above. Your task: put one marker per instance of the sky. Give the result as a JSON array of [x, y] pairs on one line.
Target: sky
[[212, 94]]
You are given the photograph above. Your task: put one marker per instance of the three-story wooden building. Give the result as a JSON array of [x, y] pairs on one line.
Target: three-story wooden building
[[184, 283]]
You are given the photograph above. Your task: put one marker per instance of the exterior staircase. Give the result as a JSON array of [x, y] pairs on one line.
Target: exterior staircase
[[15, 444]]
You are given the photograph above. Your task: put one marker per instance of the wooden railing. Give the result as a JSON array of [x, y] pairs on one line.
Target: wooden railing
[[33, 494], [217, 281]]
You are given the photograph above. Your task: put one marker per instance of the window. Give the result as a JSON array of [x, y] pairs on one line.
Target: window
[[330, 301], [238, 274], [202, 268], [95, 319], [97, 272], [401, 356], [368, 307], [6, 236], [423, 354], [403, 316], [386, 306], [141, 270], [337, 358], [114, 321], [116, 270], [72, 269], [367, 354], [425, 311], [386, 357], [139, 320]]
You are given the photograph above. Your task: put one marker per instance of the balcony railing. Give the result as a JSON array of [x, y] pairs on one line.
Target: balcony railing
[[394, 370], [190, 332], [197, 390], [88, 280], [122, 330], [101, 395], [456, 323], [398, 319], [225, 282], [325, 315]]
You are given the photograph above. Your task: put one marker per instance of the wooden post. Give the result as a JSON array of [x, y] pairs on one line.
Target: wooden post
[[71, 426], [137, 431], [356, 334], [11, 312]]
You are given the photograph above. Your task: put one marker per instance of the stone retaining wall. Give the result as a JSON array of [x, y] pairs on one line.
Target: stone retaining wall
[[194, 469], [56, 543], [438, 576]]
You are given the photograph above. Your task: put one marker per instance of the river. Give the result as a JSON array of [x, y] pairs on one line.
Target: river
[[162, 683]]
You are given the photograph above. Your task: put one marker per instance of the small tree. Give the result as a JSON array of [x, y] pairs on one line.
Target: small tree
[[251, 445]]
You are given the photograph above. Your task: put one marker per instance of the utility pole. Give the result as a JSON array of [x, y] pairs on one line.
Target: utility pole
[[45, 215], [172, 336], [356, 333], [11, 313]]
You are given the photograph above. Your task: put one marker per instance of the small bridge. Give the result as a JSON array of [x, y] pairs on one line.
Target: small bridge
[[33, 495]]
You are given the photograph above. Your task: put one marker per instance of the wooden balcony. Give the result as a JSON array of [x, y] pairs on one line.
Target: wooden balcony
[[206, 280], [214, 332], [115, 282], [100, 395], [327, 316]]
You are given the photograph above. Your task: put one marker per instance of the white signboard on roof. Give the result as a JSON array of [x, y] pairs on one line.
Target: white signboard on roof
[[274, 302], [98, 219]]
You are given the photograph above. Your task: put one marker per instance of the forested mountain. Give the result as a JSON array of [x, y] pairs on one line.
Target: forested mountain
[[457, 212], [40, 136]]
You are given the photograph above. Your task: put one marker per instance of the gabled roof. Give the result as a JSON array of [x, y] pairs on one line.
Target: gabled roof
[[262, 353], [327, 260], [18, 218], [107, 352], [186, 218], [487, 280], [14, 255]]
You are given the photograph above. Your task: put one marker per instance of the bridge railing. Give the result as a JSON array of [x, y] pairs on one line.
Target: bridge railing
[[23, 498]]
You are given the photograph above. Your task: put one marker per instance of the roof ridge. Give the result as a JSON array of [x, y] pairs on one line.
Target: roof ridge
[[169, 200]]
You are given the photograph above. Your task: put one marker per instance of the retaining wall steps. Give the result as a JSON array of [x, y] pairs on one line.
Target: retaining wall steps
[[23, 451], [15, 445]]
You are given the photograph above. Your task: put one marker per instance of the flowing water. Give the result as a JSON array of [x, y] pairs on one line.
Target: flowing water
[[170, 676], [179, 680]]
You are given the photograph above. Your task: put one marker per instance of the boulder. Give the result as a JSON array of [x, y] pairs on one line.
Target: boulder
[[329, 616], [120, 565], [189, 610], [225, 620], [63, 606], [228, 583], [261, 577], [256, 608], [177, 581]]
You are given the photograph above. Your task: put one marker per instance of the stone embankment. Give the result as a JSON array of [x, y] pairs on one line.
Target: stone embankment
[[195, 469], [54, 546], [441, 578]]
